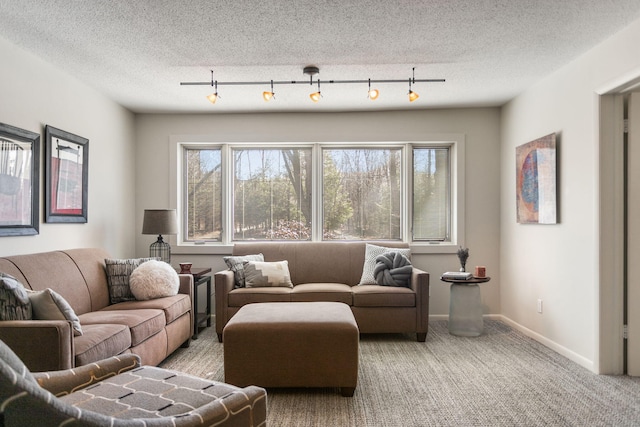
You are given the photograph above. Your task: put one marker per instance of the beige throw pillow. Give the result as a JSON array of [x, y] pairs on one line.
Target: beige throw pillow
[[267, 274], [50, 305]]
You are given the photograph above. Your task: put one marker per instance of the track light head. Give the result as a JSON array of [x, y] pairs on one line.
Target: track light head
[[213, 97], [373, 93], [315, 96], [413, 96], [268, 96]]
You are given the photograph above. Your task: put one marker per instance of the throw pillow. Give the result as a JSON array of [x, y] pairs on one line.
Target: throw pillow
[[267, 274], [154, 279], [236, 264], [14, 302], [118, 273], [50, 305], [393, 269], [370, 254]]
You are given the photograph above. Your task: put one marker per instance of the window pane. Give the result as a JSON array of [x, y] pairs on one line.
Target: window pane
[[203, 194], [272, 194], [431, 201], [361, 194]]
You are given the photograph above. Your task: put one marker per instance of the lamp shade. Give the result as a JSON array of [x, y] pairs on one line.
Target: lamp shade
[[160, 221]]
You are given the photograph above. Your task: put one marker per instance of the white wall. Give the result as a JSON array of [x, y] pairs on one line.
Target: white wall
[[560, 263], [480, 127], [34, 94]]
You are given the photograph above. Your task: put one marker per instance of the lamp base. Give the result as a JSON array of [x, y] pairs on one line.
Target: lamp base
[[160, 249]]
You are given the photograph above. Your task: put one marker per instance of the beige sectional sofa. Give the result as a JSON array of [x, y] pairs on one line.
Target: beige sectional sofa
[[152, 329], [330, 271]]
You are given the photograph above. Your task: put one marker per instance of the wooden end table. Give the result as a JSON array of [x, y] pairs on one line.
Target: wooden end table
[[465, 306]]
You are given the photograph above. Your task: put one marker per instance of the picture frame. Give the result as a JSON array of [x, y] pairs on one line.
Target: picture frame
[[19, 181], [67, 172], [536, 191]]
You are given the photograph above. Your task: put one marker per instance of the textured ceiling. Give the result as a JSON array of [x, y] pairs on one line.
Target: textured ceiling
[[138, 52]]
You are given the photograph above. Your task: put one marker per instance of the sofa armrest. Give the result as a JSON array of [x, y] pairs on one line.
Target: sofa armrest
[[61, 383], [420, 284], [43, 345], [223, 282], [186, 285]]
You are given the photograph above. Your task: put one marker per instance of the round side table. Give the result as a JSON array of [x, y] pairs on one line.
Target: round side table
[[465, 307]]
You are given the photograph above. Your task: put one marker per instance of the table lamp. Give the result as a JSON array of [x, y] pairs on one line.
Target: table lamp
[[160, 221]]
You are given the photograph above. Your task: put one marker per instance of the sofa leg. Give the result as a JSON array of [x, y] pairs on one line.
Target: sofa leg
[[186, 344], [422, 336], [347, 391], [219, 337]]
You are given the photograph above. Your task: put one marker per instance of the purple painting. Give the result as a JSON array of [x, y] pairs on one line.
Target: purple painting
[[536, 181]]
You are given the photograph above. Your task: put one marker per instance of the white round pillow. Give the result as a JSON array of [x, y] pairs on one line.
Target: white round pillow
[[154, 279]]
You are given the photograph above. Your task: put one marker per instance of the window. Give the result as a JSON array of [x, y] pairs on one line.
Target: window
[[361, 194], [202, 217], [376, 191], [272, 194], [431, 194]]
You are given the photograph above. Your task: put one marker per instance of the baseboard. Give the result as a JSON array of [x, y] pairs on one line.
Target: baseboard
[[569, 354]]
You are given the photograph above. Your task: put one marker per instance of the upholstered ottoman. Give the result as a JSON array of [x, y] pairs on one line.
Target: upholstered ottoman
[[300, 344]]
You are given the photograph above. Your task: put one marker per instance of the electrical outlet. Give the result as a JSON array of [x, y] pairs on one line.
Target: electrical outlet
[[539, 306]]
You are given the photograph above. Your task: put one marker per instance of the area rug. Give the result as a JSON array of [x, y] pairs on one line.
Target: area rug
[[502, 378]]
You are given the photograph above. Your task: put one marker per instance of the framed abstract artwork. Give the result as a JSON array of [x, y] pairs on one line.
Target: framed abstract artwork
[[536, 181], [67, 171], [19, 181]]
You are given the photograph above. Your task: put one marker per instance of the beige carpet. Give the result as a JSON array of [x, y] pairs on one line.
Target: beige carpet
[[501, 378]]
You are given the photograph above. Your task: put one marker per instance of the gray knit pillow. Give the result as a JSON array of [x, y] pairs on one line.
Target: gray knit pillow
[[370, 255], [14, 301], [393, 269]]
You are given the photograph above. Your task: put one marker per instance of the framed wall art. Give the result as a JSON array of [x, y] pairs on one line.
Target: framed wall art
[[536, 181], [67, 172], [19, 181]]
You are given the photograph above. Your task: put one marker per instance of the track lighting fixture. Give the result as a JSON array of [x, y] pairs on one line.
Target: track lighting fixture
[[214, 96], [268, 96], [373, 93], [315, 96], [412, 95]]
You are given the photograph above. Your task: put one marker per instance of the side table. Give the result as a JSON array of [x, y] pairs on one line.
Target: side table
[[465, 307], [200, 277]]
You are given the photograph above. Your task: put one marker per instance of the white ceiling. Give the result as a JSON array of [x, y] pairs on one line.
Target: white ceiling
[[138, 51]]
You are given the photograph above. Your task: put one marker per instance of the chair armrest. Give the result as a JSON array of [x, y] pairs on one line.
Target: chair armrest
[[420, 284], [223, 283], [43, 345], [61, 383], [234, 408]]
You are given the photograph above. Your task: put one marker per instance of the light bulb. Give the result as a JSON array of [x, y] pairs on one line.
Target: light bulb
[[373, 94], [315, 96], [268, 96], [213, 97], [413, 96]]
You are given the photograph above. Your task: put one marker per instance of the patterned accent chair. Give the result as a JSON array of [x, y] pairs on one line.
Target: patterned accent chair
[[119, 392]]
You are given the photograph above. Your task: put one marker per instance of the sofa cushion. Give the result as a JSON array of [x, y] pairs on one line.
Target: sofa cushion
[[49, 305], [370, 255], [330, 292], [173, 307], [154, 279], [14, 301], [100, 342], [118, 273], [142, 323], [383, 296], [236, 264], [241, 296], [267, 274]]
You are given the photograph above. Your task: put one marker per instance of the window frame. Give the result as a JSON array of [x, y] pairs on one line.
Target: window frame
[[456, 143]]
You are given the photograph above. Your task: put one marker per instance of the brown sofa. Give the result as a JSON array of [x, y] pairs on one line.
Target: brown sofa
[[152, 329], [330, 271]]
